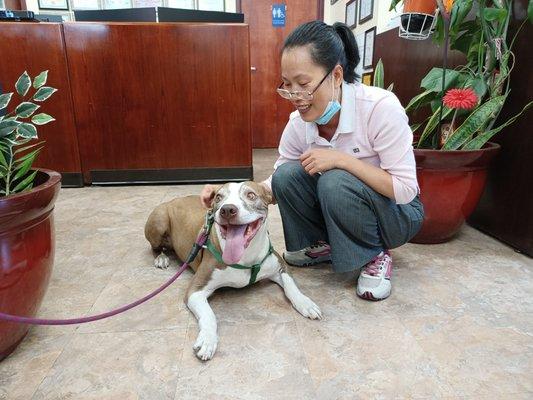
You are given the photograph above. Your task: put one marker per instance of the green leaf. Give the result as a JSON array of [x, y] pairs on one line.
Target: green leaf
[[26, 109], [479, 86], [21, 149], [419, 99], [415, 127], [391, 86], [40, 79], [27, 130], [8, 126], [495, 14], [433, 122], [433, 80], [474, 122], [23, 84], [44, 93], [4, 100], [3, 160], [530, 11], [480, 140], [460, 10], [26, 183], [24, 164], [42, 118], [379, 79]]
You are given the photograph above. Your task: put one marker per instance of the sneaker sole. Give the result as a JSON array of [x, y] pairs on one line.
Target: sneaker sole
[[309, 264], [370, 296]]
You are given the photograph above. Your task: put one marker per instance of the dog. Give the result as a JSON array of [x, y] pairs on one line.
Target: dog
[[239, 233]]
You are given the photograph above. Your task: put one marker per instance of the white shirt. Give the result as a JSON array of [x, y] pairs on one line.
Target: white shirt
[[373, 127]]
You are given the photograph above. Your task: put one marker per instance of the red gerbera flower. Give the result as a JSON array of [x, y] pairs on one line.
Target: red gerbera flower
[[460, 98]]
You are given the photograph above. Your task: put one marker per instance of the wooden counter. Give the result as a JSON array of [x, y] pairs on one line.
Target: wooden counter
[[152, 102]]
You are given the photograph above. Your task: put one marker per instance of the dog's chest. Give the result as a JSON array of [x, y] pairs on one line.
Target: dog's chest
[[238, 278]]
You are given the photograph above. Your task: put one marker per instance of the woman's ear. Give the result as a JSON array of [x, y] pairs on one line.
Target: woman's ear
[[338, 75]]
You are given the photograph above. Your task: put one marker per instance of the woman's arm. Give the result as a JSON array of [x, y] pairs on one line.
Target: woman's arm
[[322, 160]]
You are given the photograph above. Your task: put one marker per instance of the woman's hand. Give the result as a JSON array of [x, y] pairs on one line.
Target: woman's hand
[[207, 194], [320, 160]]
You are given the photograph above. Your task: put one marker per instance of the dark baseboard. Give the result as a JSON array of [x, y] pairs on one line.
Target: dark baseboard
[[71, 179], [181, 175]]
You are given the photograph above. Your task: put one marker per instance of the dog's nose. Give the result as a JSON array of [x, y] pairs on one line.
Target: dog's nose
[[228, 211]]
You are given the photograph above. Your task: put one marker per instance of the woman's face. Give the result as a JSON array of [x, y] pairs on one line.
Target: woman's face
[[299, 72]]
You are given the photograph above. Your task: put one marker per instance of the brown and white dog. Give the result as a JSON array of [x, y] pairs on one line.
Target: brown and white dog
[[240, 234]]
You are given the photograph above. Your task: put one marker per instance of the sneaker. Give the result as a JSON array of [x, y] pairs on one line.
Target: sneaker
[[374, 281], [315, 254]]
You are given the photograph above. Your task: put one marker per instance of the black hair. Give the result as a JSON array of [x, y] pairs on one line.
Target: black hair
[[330, 44]]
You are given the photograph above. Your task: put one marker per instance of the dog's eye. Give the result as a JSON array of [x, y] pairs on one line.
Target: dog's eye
[[218, 197], [251, 196]]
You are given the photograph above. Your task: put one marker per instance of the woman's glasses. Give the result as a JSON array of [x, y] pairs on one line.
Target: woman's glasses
[[300, 94]]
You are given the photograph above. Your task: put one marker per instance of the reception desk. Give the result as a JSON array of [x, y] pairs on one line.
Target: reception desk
[[140, 102]]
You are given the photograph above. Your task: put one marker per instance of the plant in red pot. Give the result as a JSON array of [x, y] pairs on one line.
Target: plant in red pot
[[452, 150], [27, 199]]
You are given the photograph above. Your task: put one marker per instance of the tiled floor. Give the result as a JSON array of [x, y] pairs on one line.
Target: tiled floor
[[459, 323]]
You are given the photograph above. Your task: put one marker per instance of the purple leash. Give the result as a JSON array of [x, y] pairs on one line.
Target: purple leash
[[38, 321]]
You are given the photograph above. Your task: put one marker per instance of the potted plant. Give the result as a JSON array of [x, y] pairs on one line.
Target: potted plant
[[452, 149], [27, 199]]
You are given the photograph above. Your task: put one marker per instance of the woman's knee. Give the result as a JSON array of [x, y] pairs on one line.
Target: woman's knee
[[337, 183], [287, 175]]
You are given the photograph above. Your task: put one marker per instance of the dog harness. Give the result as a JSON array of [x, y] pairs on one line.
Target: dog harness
[[209, 220]]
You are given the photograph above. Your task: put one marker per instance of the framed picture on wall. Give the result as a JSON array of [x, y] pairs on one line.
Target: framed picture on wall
[[368, 49], [351, 14], [53, 4], [366, 78], [366, 10]]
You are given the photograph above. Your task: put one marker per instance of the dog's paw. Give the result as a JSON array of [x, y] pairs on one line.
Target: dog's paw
[[162, 261], [205, 345], [305, 306]]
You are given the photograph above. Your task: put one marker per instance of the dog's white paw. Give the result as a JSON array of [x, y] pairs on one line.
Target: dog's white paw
[[205, 345], [162, 261], [305, 306]]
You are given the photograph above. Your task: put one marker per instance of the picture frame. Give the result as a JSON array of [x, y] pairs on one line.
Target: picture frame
[[368, 49], [53, 4], [366, 10], [351, 14], [366, 78]]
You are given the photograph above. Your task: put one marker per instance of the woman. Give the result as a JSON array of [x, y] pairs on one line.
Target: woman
[[345, 179]]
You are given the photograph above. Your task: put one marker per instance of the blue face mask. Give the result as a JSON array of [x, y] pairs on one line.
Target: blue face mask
[[331, 109]]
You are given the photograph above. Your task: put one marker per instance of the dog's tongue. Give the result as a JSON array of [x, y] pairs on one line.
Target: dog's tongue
[[235, 241]]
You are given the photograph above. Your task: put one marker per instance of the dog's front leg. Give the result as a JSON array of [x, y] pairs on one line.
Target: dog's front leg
[[207, 340], [303, 304]]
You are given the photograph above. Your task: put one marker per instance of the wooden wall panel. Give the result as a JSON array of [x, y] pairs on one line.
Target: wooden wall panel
[[160, 96], [506, 206], [34, 48], [270, 113]]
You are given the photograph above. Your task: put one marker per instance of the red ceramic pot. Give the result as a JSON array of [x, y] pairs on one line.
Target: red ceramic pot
[[26, 253], [451, 183]]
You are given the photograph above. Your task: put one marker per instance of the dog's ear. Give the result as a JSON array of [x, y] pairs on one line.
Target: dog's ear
[[266, 194], [214, 192]]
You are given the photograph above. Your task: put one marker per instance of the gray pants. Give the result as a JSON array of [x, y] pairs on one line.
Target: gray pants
[[338, 208]]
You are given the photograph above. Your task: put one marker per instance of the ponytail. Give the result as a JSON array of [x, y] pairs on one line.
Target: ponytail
[[351, 51], [329, 45]]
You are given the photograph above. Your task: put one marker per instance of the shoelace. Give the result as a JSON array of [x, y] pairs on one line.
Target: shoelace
[[374, 267], [319, 244]]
